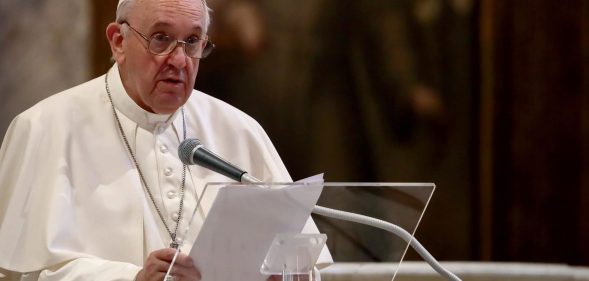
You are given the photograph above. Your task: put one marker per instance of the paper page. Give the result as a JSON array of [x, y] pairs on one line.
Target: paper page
[[242, 222]]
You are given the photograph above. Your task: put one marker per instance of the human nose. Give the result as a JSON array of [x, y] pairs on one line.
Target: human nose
[[178, 57]]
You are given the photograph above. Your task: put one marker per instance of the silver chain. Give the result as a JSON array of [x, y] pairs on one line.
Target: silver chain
[[173, 236]]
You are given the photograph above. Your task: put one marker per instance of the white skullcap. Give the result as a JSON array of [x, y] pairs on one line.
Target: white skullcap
[[121, 2], [204, 3]]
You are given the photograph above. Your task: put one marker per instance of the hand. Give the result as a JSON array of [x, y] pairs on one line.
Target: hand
[[158, 262]]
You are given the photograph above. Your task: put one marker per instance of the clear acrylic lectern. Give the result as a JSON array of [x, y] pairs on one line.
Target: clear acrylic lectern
[[252, 232]]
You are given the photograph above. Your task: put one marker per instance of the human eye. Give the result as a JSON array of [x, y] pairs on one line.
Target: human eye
[[160, 42], [161, 38], [193, 40]]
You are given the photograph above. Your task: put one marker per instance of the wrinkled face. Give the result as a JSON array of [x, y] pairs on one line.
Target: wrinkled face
[[157, 83]]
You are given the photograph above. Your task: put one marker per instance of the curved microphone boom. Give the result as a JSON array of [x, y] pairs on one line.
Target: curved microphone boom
[[192, 152]]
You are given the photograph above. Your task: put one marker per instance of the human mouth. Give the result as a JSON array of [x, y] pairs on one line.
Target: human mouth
[[173, 80]]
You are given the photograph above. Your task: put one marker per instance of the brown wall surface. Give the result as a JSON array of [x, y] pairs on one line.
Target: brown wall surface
[[539, 141]]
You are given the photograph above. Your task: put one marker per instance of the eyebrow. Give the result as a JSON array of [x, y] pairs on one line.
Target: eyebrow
[[163, 24]]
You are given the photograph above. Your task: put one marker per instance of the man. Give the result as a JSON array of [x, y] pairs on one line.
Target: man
[[91, 187]]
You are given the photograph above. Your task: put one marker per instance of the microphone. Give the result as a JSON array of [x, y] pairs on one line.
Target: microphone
[[193, 152]]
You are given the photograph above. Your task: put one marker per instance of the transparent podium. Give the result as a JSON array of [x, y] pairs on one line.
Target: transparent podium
[[252, 232]]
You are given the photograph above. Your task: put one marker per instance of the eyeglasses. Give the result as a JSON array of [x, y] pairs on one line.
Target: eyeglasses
[[162, 45]]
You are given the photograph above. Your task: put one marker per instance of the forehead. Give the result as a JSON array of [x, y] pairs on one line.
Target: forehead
[[172, 13]]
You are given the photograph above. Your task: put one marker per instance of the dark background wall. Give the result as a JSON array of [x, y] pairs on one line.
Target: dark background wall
[[535, 85]]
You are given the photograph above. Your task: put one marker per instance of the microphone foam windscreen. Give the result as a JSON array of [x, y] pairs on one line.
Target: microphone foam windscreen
[[185, 150]]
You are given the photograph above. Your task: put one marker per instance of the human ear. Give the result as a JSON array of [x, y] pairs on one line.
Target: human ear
[[115, 39]]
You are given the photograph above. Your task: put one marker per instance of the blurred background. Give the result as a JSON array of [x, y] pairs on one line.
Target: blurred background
[[487, 99]]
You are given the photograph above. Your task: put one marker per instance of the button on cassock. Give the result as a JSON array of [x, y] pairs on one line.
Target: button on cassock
[[163, 148], [168, 172]]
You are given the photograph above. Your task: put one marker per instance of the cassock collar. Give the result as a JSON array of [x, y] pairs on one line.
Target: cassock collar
[[126, 105]]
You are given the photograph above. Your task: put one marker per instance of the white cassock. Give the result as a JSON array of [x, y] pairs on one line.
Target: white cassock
[[72, 206]]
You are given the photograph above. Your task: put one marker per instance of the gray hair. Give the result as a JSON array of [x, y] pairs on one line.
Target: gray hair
[[125, 6]]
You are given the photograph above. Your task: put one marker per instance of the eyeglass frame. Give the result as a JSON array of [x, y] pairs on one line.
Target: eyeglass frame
[[206, 50]]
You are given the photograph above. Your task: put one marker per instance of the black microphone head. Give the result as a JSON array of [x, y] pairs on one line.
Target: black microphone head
[[186, 149]]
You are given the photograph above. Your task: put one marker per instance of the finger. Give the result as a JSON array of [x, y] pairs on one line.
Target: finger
[[159, 276], [153, 266], [159, 260], [165, 254], [158, 263], [184, 260], [186, 272]]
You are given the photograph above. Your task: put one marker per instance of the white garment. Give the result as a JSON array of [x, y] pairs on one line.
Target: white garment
[[71, 203]]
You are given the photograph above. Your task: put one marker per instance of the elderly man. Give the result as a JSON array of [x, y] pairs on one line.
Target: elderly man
[[91, 187]]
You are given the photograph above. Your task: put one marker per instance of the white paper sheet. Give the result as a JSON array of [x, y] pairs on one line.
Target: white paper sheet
[[242, 223]]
